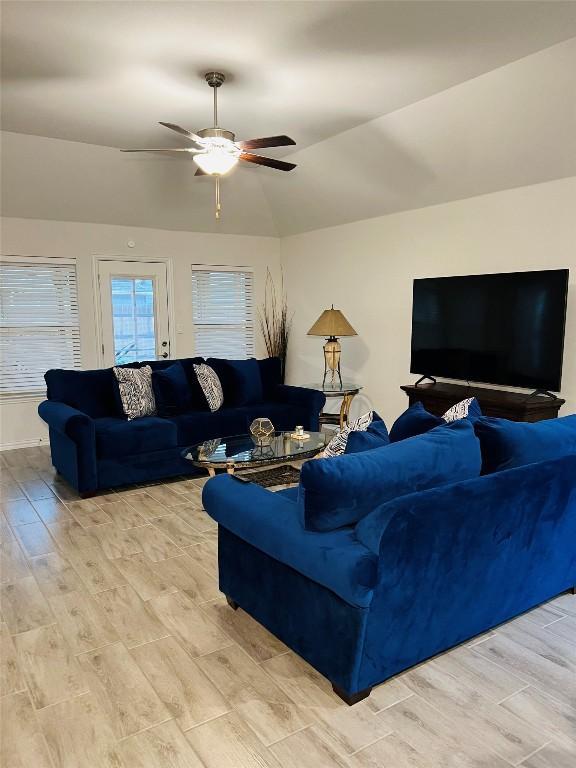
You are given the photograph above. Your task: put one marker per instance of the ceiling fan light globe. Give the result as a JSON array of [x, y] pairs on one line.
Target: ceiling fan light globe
[[216, 161]]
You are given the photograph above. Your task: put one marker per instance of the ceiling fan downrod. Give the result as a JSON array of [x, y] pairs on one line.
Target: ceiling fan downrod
[[215, 80]]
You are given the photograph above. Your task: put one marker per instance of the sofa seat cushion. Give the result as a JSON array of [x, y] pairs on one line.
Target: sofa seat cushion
[[342, 490], [197, 426], [507, 444], [118, 437], [271, 522]]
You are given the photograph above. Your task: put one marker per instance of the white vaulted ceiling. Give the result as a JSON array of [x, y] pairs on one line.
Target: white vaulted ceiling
[[393, 105]]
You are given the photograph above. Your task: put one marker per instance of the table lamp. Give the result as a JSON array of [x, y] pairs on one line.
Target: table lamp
[[332, 324]]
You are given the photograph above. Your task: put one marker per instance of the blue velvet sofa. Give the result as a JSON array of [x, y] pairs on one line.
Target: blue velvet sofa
[[398, 582], [94, 447]]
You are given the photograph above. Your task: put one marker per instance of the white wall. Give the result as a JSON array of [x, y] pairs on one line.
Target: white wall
[[366, 269], [19, 422]]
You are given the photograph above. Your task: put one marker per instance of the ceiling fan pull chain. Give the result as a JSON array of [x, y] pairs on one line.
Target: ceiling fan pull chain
[[218, 206]]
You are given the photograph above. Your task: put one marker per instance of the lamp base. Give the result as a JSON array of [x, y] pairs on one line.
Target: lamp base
[[332, 354]]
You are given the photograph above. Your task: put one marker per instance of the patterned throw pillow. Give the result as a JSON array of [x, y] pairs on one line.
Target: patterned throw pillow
[[136, 394], [211, 386], [337, 445], [458, 411]]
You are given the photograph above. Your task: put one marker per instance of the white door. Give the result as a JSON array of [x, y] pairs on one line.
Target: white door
[[133, 311]]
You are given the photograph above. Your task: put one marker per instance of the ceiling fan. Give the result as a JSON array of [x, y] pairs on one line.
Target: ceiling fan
[[217, 151]]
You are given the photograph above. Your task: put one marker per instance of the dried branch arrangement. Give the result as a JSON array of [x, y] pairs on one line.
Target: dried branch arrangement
[[275, 324]]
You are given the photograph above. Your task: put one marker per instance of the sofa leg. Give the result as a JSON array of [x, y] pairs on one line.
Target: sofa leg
[[351, 698], [232, 603], [87, 495], [572, 590]]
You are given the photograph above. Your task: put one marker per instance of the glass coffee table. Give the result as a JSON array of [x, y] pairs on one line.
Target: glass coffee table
[[244, 452]]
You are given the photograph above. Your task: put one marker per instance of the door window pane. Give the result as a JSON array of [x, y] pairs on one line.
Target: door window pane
[[133, 319]]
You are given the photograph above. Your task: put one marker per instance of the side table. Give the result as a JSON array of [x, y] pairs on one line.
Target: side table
[[347, 392]]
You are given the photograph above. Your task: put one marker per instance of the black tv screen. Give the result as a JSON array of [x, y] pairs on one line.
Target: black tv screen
[[499, 329]]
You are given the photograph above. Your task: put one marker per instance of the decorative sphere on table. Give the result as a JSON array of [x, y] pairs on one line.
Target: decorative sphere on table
[[262, 431]]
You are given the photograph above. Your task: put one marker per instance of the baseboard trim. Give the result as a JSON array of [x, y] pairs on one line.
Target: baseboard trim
[[23, 444]]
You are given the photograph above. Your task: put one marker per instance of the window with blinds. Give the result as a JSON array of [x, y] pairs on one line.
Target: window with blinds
[[223, 313], [39, 327]]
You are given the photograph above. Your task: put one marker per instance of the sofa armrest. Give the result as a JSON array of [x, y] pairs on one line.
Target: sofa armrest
[[72, 444], [272, 523], [310, 400], [75, 424]]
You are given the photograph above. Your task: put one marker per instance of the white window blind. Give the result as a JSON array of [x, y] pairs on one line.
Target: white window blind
[[39, 326], [223, 313]]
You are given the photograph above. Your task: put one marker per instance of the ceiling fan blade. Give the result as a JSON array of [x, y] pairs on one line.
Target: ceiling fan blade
[[200, 172], [269, 141], [183, 131], [168, 149], [280, 165]]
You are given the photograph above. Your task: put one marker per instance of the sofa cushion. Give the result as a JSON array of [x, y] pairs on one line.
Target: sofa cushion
[[507, 444], [171, 390], [118, 437], [197, 426], [92, 392], [416, 420], [271, 522], [342, 490], [270, 375], [376, 436], [241, 380]]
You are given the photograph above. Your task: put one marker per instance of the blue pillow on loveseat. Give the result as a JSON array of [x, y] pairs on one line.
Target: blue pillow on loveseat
[[376, 436], [416, 420], [507, 444], [342, 490]]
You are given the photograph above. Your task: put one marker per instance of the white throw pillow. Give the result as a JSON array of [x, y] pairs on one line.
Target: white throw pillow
[[211, 386], [458, 411], [136, 393], [337, 445]]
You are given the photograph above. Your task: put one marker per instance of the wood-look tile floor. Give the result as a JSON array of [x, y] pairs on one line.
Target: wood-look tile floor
[[118, 651]]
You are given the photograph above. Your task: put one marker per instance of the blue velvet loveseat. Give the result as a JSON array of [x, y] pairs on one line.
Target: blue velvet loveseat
[[363, 590], [93, 445]]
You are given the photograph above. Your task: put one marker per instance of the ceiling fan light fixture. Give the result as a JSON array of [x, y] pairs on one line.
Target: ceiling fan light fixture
[[216, 161], [217, 152]]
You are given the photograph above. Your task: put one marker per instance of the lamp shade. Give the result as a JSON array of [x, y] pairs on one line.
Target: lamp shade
[[332, 323]]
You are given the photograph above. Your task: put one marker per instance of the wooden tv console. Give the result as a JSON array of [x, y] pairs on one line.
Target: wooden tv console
[[437, 398]]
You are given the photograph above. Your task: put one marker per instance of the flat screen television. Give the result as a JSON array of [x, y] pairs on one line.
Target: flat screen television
[[503, 329]]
